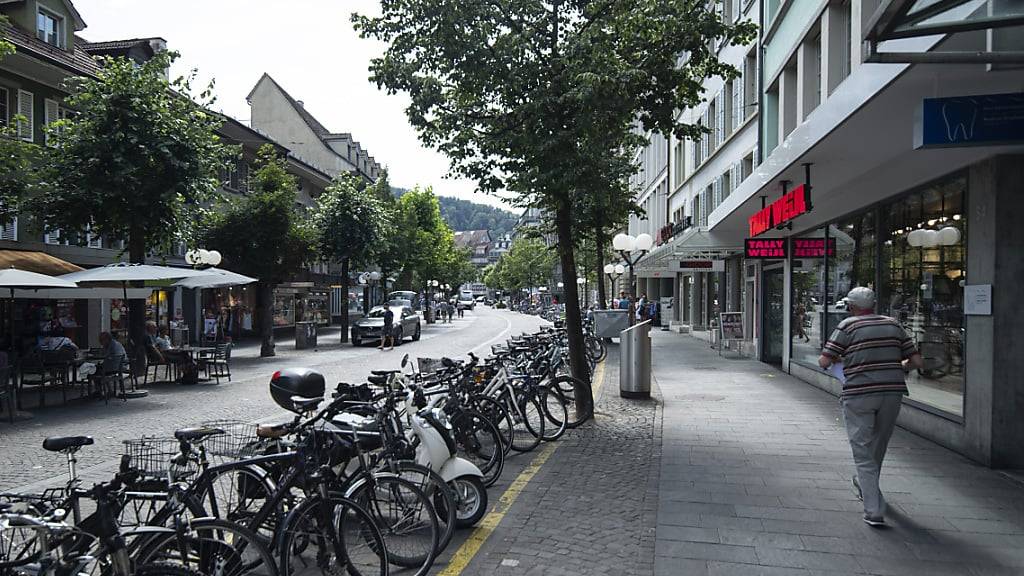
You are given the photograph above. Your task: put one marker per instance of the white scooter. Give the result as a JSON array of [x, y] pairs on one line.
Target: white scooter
[[430, 432]]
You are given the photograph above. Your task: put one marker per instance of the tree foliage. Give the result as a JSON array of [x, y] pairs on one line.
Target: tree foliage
[[6, 48], [136, 160], [531, 96], [527, 264], [261, 234]]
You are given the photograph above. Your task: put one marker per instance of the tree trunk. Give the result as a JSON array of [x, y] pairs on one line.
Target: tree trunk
[[344, 300], [265, 304], [573, 319], [602, 297], [136, 329]]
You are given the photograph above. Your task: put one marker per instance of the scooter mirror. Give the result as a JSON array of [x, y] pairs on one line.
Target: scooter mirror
[[405, 361]]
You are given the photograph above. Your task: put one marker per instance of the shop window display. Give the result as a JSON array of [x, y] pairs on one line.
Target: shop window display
[[913, 253], [808, 314], [924, 270]]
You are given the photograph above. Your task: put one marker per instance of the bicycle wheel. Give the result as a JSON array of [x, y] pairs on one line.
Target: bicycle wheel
[[166, 569], [478, 440], [332, 535], [405, 516], [553, 402], [529, 420], [570, 388], [210, 546], [499, 416], [436, 489], [238, 494]]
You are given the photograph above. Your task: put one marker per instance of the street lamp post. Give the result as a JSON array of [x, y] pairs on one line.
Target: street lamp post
[[581, 283], [613, 272], [625, 245]]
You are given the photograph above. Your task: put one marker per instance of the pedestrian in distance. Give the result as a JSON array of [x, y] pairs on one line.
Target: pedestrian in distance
[[387, 332], [875, 353]]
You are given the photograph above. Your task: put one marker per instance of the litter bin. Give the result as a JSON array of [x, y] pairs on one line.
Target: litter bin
[[305, 335], [635, 361]]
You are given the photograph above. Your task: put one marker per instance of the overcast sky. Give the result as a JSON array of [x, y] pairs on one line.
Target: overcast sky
[[308, 46]]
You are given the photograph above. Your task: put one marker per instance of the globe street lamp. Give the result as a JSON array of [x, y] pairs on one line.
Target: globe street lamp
[[200, 257], [581, 283], [626, 245]]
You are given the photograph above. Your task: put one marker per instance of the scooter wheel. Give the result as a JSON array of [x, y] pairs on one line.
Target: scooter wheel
[[470, 500]]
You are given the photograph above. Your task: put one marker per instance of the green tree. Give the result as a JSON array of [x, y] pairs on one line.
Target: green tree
[[529, 95], [350, 220], [528, 263], [262, 235], [135, 162], [6, 48]]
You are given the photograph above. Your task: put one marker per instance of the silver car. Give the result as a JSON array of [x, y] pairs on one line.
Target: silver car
[[369, 327]]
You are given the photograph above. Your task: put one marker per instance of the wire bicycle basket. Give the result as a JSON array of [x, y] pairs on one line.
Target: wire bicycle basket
[[155, 458], [239, 440]]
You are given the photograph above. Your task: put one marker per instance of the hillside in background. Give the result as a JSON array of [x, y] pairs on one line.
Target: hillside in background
[[464, 215]]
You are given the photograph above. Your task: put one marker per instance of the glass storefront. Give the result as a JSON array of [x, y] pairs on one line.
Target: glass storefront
[[918, 278]]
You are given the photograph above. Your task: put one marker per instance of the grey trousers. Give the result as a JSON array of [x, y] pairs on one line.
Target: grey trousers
[[870, 420]]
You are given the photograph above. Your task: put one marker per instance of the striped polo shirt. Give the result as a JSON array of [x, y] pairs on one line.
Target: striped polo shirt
[[872, 348]]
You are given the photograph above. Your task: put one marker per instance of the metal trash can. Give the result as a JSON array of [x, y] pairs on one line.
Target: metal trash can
[[609, 323], [635, 361], [305, 335]]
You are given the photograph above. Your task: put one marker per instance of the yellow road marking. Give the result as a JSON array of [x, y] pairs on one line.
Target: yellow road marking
[[472, 545]]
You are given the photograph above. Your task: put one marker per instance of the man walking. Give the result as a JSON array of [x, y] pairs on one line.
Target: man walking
[[875, 353]]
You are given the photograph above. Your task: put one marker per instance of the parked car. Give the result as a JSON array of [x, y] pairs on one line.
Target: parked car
[[407, 324]]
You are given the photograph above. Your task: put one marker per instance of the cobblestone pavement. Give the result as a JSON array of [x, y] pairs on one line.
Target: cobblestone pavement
[[24, 465], [591, 507], [755, 479]]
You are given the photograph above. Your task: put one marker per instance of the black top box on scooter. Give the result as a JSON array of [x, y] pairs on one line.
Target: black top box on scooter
[[285, 384]]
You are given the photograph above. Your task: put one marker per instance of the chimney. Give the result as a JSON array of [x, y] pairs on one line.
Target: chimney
[[301, 103]]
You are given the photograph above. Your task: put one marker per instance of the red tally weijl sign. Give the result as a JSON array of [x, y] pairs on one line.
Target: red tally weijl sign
[[778, 248], [812, 247], [765, 248], [792, 204]]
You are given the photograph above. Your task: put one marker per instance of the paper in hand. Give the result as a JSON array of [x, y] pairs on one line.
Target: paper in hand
[[836, 371]]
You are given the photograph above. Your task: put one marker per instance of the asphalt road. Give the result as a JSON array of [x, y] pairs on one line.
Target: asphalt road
[[169, 406]]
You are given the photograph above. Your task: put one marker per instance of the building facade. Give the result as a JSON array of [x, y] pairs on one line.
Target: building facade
[[883, 153]]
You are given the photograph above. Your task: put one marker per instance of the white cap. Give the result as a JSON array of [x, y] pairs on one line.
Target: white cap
[[861, 297]]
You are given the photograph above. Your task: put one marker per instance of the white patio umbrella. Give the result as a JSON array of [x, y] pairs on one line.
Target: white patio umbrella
[[125, 272], [218, 278], [12, 279]]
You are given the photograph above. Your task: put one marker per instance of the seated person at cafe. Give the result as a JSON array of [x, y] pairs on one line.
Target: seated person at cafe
[[56, 341], [163, 340], [113, 352]]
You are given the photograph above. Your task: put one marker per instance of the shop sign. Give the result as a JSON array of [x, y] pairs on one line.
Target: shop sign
[[812, 247], [699, 266], [970, 121], [792, 204], [774, 248]]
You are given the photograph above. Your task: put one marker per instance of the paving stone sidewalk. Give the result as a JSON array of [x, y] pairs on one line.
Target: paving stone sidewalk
[[755, 479], [591, 507]]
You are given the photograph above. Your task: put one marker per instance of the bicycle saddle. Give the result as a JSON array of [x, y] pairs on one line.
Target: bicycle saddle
[[384, 372], [379, 380], [62, 443], [306, 404], [196, 434]]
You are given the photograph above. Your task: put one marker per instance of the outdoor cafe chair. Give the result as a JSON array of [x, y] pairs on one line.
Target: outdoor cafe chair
[[110, 376], [36, 372], [7, 390], [218, 365], [154, 359]]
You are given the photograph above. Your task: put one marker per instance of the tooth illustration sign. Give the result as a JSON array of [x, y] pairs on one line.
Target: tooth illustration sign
[[982, 120]]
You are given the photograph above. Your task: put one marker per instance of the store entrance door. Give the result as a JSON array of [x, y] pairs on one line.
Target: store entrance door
[[773, 315]]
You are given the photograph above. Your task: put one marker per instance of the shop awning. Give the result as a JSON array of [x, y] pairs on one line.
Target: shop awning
[[696, 243], [39, 262], [82, 294]]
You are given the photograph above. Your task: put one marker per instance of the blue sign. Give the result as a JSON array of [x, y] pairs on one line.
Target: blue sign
[[982, 120]]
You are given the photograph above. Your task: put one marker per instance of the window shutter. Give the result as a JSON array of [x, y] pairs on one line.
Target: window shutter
[[737, 103], [51, 113], [4, 103], [26, 109], [736, 177], [93, 240], [9, 230], [719, 120], [51, 236], [754, 156]]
